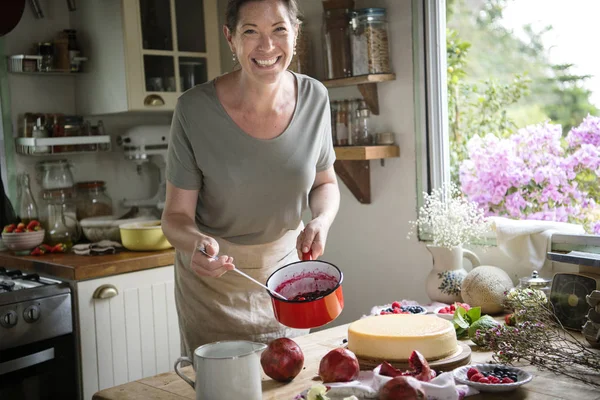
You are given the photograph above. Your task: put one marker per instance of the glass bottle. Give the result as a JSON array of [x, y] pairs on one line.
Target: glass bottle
[[342, 124], [27, 207], [336, 34]]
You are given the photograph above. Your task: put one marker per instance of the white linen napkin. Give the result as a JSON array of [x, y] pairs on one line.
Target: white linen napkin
[[368, 384], [528, 241], [98, 248]]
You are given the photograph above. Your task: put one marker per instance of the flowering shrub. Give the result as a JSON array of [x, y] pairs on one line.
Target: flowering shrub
[[450, 217], [537, 174]]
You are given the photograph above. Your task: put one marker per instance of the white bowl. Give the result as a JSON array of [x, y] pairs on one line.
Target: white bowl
[[449, 317], [460, 374], [21, 241], [106, 227]]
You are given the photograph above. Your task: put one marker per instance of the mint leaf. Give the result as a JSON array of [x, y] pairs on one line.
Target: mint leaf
[[474, 314], [459, 318]]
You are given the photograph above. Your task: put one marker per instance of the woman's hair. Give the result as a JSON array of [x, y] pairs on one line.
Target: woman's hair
[[233, 11]]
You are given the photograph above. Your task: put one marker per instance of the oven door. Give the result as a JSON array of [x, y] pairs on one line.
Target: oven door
[[40, 371]]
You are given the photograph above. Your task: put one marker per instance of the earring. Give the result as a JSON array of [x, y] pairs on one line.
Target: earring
[[294, 50], [234, 58]]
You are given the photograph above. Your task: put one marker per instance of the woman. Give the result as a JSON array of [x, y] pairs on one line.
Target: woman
[[248, 153]]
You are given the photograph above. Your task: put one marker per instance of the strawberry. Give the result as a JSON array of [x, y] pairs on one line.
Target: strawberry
[[38, 251], [59, 248], [21, 225], [471, 372], [9, 228], [476, 377], [33, 225], [19, 230], [396, 304]]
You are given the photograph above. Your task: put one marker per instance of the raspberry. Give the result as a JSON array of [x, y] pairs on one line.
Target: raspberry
[[476, 377], [484, 380], [396, 304], [471, 372], [397, 311], [506, 379], [494, 379]]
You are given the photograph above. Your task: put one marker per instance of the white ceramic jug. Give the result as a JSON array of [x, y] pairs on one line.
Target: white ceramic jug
[[226, 370]]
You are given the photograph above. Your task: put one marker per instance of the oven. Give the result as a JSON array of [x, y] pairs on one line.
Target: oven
[[37, 343]]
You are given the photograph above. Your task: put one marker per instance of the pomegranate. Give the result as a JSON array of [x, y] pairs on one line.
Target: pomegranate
[[419, 368], [402, 388], [339, 365], [282, 360]]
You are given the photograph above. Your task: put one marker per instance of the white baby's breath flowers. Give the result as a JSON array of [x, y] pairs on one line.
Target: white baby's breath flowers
[[450, 218]]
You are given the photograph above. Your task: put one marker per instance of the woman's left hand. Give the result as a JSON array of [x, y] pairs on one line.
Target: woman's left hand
[[313, 238]]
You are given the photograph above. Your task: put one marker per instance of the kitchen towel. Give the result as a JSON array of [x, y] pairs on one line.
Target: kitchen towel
[[98, 248], [528, 241], [368, 384]]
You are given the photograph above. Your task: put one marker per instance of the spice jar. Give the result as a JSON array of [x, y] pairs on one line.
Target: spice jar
[[301, 60], [92, 200], [336, 34], [370, 50], [363, 132]]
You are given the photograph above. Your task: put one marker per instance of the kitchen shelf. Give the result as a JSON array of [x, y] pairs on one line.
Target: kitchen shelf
[[81, 144], [367, 85], [352, 165], [16, 65]]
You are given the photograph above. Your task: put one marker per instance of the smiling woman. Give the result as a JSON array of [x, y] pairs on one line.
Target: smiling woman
[[249, 152]]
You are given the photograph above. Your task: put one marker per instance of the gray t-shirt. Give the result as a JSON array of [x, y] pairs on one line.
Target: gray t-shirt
[[251, 191]]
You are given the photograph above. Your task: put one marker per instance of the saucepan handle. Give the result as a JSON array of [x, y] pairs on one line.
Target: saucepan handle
[[181, 374]]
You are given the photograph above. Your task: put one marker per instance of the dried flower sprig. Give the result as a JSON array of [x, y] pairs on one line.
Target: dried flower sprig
[[540, 339], [450, 217]]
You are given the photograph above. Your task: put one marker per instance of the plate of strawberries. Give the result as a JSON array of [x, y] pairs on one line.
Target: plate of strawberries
[[492, 377]]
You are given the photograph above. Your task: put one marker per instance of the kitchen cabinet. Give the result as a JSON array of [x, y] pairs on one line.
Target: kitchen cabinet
[[128, 327], [144, 53]]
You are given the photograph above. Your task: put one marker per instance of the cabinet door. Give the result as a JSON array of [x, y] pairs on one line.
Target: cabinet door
[[130, 336], [169, 49]]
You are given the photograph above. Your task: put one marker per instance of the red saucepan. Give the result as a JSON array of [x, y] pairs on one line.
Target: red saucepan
[[313, 290]]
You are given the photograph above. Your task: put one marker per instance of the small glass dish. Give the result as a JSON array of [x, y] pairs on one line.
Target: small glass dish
[[448, 316], [523, 377]]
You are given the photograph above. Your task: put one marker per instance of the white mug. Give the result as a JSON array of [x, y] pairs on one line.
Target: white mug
[[226, 370]]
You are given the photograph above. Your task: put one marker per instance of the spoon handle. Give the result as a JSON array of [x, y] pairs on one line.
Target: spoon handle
[[203, 251]]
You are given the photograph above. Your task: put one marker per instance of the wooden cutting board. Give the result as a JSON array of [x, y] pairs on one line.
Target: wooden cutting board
[[461, 357]]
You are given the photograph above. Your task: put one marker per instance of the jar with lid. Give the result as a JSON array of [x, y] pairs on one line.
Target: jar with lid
[[73, 127], [363, 135], [336, 34], [46, 50], [92, 200], [55, 174], [301, 61], [60, 217], [370, 49], [536, 282]]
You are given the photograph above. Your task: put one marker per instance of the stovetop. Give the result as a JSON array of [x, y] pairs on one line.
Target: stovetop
[[16, 285]]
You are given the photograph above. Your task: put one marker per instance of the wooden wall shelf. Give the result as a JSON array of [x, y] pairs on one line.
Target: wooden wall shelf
[[367, 85], [353, 167]]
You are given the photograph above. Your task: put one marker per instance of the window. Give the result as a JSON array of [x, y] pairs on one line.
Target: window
[[510, 94]]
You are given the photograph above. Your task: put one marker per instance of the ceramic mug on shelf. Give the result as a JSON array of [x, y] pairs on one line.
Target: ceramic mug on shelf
[[226, 370]]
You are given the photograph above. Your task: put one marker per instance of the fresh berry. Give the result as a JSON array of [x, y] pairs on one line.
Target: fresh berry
[[396, 304], [506, 379], [471, 372], [476, 377], [494, 379], [484, 380]]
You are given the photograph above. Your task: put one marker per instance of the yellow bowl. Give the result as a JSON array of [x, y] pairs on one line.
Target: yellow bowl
[[144, 236]]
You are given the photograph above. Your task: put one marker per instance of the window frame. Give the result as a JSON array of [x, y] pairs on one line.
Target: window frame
[[431, 116]]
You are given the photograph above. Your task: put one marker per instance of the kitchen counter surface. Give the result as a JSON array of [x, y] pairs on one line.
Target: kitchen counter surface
[[78, 268], [169, 386]]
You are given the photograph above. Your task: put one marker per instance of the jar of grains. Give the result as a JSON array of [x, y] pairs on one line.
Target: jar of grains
[[301, 60], [336, 34], [92, 200], [370, 51]]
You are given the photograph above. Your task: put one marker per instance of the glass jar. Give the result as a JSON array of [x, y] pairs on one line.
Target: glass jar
[[536, 282], [301, 60], [92, 200], [336, 34], [55, 174], [363, 135], [60, 217], [370, 49], [46, 50]]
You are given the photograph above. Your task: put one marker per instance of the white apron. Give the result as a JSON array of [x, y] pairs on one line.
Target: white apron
[[232, 307]]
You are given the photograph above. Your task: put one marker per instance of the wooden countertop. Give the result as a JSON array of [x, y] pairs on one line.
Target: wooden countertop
[[169, 386], [78, 268]]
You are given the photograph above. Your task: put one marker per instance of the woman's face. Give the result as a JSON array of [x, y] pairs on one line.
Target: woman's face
[[264, 39]]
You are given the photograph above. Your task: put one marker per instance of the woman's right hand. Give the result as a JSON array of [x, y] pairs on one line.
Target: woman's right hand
[[210, 266]]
